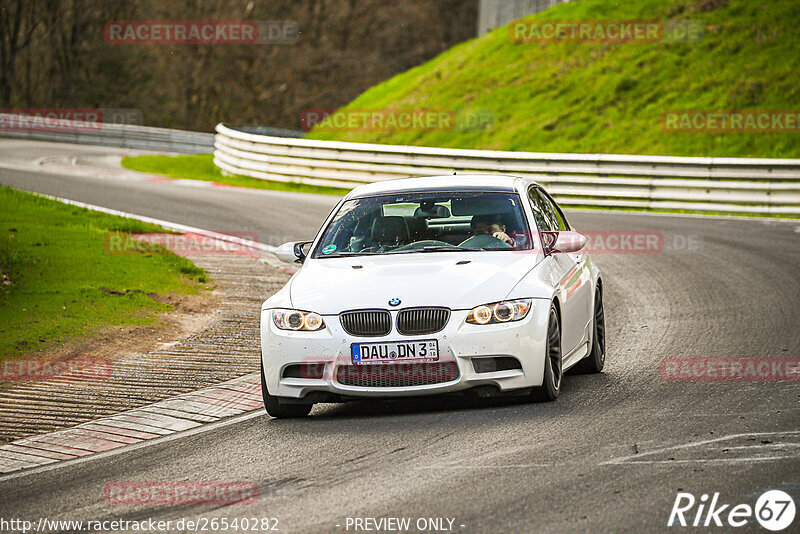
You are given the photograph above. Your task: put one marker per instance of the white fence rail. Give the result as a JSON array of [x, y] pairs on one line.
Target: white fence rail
[[108, 134], [724, 185]]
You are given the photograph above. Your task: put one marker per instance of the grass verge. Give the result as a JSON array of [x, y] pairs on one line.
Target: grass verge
[[58, 282], [604, 97], [201, 167]]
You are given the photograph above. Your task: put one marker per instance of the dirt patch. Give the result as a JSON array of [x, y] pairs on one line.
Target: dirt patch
[[206, 339], [190, 314], [704, 6]]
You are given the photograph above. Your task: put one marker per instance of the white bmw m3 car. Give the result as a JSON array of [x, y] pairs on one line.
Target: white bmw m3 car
[[433, 285]]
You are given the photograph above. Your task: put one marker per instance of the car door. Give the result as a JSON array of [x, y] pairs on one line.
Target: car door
[[571, 274]]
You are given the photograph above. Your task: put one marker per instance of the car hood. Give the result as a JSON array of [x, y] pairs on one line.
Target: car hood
[[454, 280]]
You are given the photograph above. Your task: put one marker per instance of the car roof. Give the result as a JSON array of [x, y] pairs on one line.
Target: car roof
[[453, 182]]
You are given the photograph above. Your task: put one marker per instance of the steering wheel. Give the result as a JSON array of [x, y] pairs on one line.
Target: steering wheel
[[484, 241], [424, 243]]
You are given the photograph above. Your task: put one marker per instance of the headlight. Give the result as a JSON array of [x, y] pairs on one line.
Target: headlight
[[500, 312], [297, 320]]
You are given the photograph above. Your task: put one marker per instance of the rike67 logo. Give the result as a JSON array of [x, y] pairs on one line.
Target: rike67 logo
[[774, 510]]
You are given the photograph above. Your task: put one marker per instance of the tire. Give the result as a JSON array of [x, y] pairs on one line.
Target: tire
[[553, 370], [596, 360], [280, 410]]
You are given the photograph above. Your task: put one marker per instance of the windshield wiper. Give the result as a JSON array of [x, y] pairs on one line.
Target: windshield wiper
[[349, 253], [431, 248], [401, 251], [442, 248]]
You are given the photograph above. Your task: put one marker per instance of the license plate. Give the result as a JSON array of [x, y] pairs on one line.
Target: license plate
[[426, 350]]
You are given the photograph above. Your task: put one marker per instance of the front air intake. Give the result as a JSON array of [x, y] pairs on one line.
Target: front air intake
[[397, 375], [499, 363], [312, 371]]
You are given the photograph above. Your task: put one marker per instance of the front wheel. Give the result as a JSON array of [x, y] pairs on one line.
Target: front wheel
[[277, 409], [551, 385]]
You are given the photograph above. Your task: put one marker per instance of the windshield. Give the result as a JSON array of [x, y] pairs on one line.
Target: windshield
[[426, 222]]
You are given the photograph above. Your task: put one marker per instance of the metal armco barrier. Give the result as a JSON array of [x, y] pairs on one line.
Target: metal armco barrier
[[109, 134], [723, 185]]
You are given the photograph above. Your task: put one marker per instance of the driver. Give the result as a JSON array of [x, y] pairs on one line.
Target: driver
[[491, 225]]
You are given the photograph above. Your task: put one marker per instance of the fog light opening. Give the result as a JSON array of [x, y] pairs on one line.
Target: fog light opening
[[494, 364]]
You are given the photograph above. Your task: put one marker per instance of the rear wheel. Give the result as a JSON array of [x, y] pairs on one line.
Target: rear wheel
[[596, 359], [280, 410], [551, 385]]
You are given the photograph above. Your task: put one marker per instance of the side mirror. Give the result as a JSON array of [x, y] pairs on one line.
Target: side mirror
[[563, 242], [291, 252]]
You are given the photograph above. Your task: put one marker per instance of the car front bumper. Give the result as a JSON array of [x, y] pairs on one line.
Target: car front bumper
[[459, 342]]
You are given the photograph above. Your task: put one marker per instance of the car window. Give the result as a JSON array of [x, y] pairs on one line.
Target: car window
[[553, 212], [540, 210], [435, 221], [562, 221]]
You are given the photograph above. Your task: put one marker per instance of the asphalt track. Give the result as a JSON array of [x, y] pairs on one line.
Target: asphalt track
[[609, 456]]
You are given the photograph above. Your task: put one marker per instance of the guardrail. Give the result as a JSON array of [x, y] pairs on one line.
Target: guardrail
[[109, 134], [722, 185]]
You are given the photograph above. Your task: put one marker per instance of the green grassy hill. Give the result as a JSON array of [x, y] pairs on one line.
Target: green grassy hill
[[61, 279], [581, 96]]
